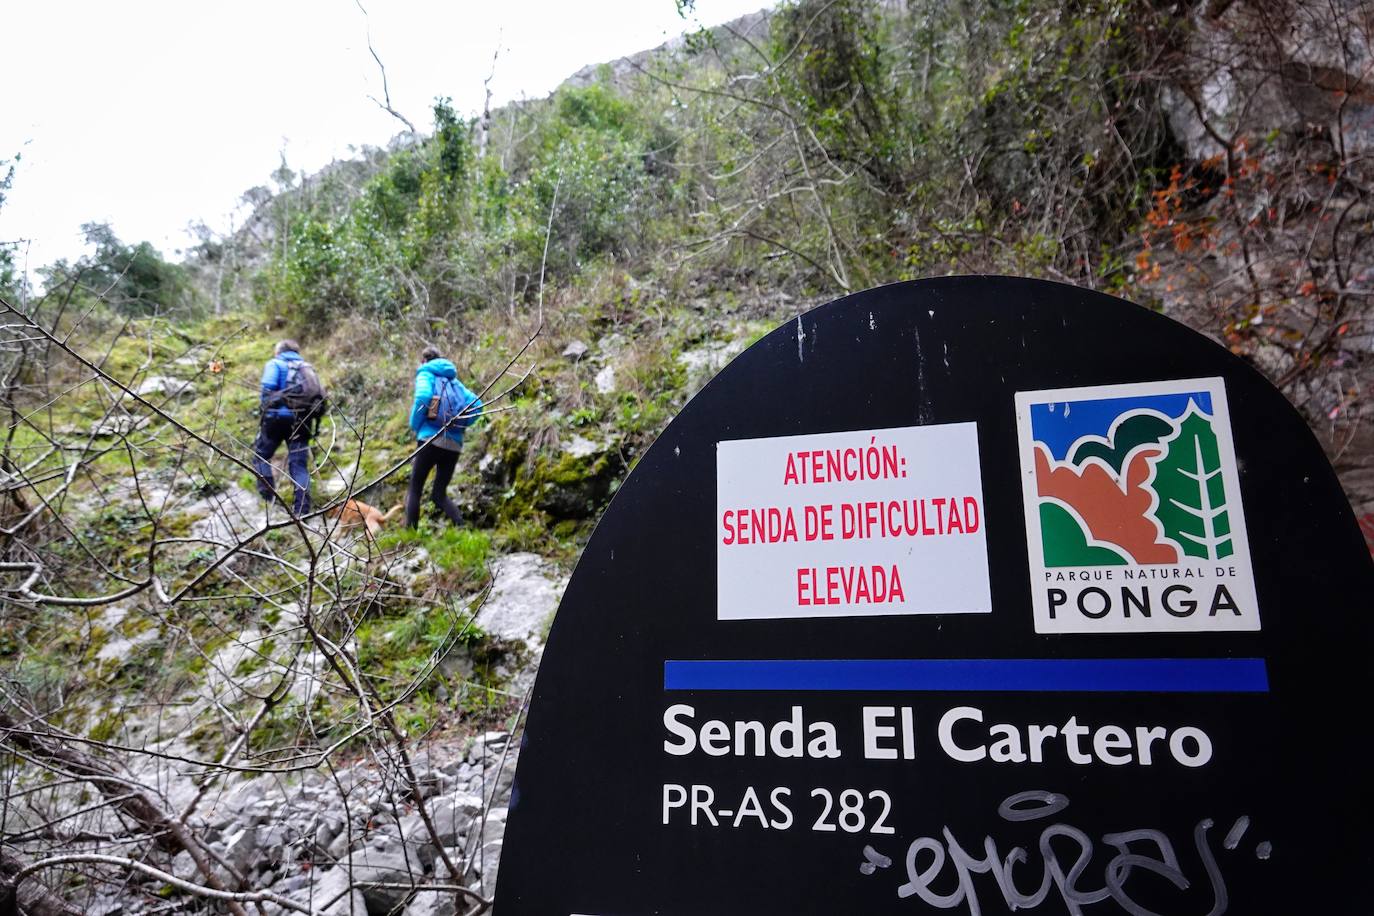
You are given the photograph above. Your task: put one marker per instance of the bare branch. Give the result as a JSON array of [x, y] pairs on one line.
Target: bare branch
[[385, 104]]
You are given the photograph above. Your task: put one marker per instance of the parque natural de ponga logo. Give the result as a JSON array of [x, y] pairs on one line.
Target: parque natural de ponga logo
[[1133, 513]]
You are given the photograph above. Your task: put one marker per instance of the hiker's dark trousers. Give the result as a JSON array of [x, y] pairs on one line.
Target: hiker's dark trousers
[[271, 434], [442, 462]]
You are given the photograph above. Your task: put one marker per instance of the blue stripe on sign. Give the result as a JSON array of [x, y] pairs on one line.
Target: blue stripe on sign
[[1097, 675]]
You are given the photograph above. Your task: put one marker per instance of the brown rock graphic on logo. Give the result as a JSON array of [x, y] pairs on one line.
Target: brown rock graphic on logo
[[1113, 513]]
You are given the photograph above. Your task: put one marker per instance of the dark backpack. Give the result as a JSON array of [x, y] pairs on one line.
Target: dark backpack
[[301, 393]]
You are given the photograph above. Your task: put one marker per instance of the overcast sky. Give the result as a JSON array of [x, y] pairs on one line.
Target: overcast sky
[[155, 114]]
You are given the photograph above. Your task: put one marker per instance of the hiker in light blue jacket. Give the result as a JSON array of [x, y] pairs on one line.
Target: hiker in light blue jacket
[[442, 410]]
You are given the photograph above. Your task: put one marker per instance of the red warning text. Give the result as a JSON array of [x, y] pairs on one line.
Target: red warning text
[[850, 585], [830, 465], [852, 521]]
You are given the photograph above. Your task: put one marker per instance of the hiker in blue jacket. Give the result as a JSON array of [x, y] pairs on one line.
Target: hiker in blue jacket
[[442, 410], [280, 423]]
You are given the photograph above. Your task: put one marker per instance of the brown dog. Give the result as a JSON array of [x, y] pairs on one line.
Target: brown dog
[[355, 513]]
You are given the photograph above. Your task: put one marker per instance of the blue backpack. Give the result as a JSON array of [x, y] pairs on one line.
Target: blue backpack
[[454, 407]]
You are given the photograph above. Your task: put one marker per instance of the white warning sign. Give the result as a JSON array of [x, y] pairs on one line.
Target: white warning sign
[[852, 524]]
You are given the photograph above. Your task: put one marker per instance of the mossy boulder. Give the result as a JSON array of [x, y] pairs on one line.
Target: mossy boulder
[[569, 480]]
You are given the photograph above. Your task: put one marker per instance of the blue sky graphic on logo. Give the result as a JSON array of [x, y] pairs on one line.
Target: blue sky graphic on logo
[[1058, 425]]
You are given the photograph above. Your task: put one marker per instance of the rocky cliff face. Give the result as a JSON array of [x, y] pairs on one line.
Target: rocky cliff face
[[1248, 66], [1263, 239]]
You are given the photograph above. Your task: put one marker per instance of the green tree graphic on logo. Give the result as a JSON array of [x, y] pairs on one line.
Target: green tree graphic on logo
[[1192, 494]]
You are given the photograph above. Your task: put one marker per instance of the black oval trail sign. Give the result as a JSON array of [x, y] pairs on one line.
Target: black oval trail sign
[[974, 595]]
